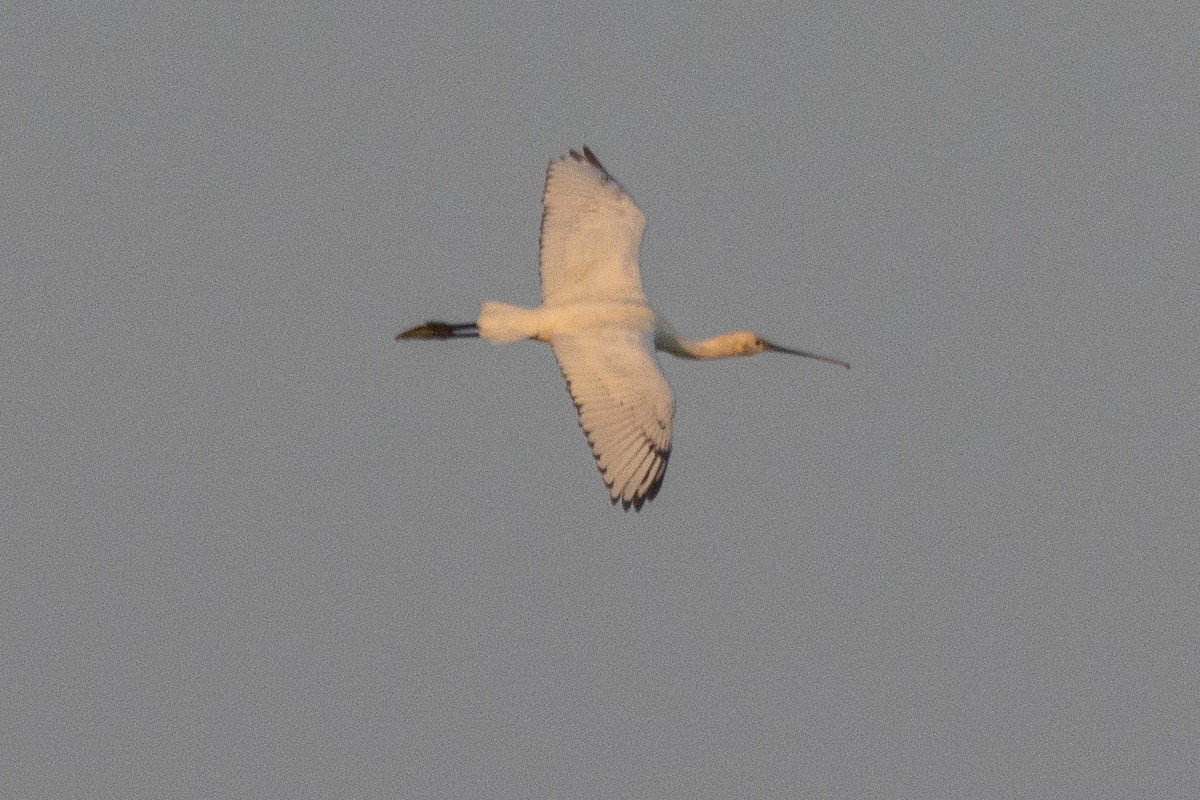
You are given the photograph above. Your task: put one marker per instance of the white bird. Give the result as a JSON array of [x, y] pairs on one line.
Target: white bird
[[595, 318]]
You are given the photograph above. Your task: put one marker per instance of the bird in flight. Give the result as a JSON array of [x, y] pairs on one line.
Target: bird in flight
[[595, 318]]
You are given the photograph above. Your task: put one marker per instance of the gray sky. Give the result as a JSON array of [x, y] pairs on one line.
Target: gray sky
[[256, 548]]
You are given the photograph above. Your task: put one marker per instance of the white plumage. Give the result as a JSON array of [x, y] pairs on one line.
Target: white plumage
[[591, 231], [595, 318]]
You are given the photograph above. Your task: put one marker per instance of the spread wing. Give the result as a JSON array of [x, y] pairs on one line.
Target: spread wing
[[590, 234], [625, 408]]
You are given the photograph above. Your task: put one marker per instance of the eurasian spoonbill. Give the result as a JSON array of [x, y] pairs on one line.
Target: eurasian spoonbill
[[595, 318]]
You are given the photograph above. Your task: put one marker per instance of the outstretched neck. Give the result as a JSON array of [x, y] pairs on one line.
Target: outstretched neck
[[667, 339], [738, 343], [723, 346]]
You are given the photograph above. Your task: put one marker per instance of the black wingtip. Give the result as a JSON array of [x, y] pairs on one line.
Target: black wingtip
[[588, 157]]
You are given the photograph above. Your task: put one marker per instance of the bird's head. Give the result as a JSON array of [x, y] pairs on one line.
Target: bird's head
[[749, 343], [745, 343]]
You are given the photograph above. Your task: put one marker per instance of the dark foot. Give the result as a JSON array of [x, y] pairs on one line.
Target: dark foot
[[440, 330]]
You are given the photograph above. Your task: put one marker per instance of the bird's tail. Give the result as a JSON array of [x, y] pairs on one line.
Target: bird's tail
[[501, 323]]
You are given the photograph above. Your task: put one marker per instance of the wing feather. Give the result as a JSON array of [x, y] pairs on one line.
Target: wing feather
[[591, 230], [625, 408]]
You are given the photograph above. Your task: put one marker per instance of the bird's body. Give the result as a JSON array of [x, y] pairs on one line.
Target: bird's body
[[595, 318]]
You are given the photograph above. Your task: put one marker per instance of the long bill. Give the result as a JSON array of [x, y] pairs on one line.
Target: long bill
[[806, 354]]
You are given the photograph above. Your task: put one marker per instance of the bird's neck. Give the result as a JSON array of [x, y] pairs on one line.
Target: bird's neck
[[667, 339], [671, 342], [721, 346]]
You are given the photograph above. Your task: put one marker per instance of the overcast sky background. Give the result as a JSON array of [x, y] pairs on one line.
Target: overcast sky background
[[256, 548]]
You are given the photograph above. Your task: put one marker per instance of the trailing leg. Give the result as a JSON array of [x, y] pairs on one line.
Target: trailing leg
[[440, 330]]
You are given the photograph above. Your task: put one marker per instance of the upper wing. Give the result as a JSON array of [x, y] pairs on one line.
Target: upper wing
[[625, 408], [590, 234]]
